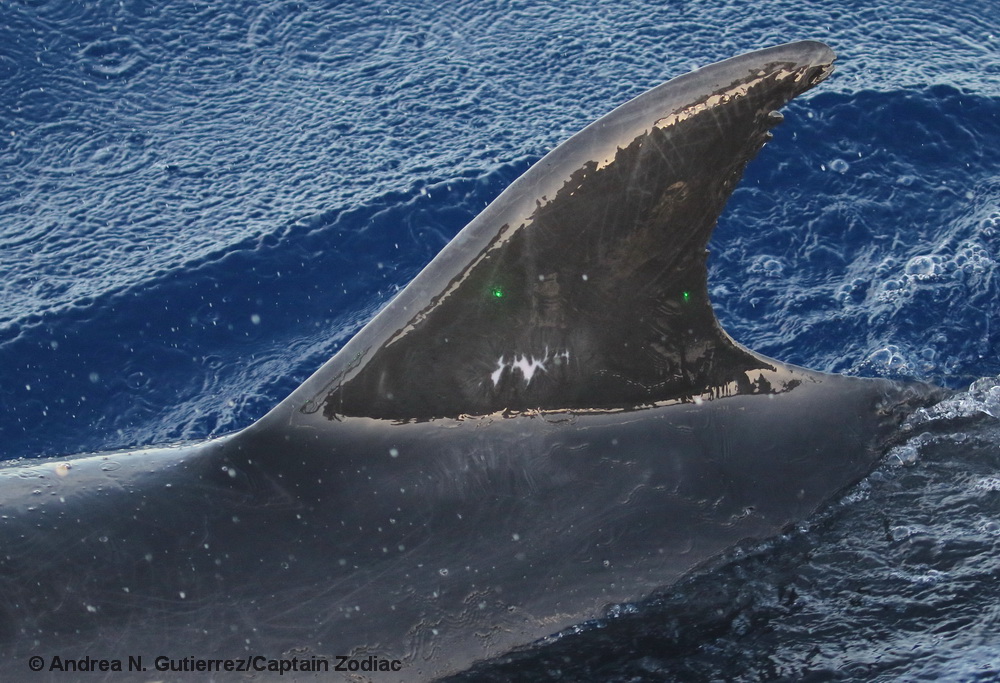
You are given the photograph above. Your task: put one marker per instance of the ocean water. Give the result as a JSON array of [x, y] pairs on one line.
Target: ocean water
[[201, 201]]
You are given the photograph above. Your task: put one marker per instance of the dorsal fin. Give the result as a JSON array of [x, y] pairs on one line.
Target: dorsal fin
[[583, 286]]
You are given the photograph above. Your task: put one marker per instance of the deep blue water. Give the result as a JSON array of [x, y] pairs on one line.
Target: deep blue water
[[200, 202]]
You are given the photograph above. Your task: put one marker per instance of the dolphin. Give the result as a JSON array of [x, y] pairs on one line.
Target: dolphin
[[548, 420]]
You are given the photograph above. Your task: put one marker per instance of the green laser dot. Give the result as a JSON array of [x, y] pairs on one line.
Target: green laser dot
[[497, 292], [687, 296]]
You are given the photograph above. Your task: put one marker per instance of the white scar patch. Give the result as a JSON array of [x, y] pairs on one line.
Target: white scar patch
[[527, 365]]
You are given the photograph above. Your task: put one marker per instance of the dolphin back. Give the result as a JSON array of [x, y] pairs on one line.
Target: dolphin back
[[548, 420]]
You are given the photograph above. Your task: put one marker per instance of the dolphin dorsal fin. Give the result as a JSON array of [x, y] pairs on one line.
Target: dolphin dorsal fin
[[583, 285]]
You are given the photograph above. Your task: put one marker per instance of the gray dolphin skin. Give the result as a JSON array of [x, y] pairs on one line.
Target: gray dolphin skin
[[546, 421]]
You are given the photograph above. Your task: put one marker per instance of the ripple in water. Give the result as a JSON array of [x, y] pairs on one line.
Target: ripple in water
[[39, 105], [79, 148], [115, 58], [8, 68]]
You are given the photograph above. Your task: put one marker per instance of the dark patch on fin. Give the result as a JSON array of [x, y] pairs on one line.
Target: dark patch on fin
[[583, 286]]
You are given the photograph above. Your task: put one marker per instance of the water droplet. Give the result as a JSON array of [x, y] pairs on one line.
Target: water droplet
[[839, 165]]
